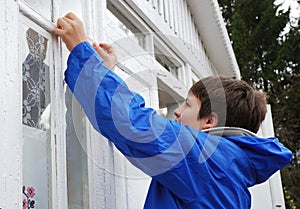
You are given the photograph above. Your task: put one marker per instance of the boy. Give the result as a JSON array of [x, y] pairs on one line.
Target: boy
[[189, 168]]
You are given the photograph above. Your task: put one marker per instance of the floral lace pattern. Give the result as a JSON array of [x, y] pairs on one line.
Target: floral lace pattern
[[34, 78], [28, 201]]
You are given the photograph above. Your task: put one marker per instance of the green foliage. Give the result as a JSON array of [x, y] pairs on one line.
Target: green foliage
[[291, 177], [270, 60]]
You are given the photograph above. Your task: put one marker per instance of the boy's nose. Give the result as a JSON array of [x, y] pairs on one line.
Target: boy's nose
[[177, 114]]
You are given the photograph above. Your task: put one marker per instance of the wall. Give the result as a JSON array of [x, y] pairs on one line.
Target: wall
[[10, 111]]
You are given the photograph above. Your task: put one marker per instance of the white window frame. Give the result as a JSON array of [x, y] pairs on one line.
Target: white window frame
[[10, 114], [58, 196], [91, 11]]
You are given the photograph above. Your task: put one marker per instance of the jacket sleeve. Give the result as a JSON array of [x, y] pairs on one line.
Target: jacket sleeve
[[267, 155], [151, 142]]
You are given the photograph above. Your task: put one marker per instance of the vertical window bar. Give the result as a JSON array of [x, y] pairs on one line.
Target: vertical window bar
[[176, 16], [194, 32], [171, 15], [161, 7], [166, 10], [154, 4], [198, 44], [180, 19], [187, 26], [190, 21], [184, 23]]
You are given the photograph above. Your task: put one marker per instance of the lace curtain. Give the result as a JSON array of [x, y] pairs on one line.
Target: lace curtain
[[34, 78]]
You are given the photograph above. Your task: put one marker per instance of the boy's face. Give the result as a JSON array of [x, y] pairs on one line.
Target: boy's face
[[187, 113]]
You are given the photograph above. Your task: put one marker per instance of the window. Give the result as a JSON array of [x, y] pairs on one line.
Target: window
[[35, 58], [167, 62], [42, 7], [49, 140]]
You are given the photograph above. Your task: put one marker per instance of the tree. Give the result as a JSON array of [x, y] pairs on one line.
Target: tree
[[269, 60]]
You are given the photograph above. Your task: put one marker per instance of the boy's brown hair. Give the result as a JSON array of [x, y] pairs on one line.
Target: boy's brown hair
[[235, 102]]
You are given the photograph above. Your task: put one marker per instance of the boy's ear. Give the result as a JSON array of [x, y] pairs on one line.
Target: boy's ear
[[210, 121]]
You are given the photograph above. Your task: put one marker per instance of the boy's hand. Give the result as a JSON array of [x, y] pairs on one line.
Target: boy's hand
[[107, 53], [71, 30]]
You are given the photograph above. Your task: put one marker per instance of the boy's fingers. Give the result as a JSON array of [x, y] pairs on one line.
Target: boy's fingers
[[58, 31], [67, 20], [61, 23], [106, 46], [104, 55], [99, 50], [71, 16]]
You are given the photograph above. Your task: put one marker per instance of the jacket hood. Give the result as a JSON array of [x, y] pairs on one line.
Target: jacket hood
[[267, 155]]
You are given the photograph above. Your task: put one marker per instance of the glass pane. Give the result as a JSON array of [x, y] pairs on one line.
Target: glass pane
[[116, 30], [74, 6], [42, 7], [35, 55], [77, 160]]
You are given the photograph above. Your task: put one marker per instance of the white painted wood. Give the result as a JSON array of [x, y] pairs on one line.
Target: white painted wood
[[76, 154], [194, 32], [87, 18], [261, 196], [58, 115], [161, 7], [268, 195], [58, 151], [171, 14], [98, 11], [277, 191], [184, 22], [202, 52], [121, 183], [97, 168], [191, 35], [138, 184], [59, 182], [194, 77], [187, 26], [188, 75], [154, 4], [193, 40], [180, 19], [164, 32], [181, 73], [110, 183], [101, 164], [176, 16], [10, 109], [198, 46], [211, 26], [35, 17], [3, 67], [166, 10], [149, 43]]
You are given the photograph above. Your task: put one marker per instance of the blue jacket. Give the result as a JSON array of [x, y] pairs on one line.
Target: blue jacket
[[189, 168]]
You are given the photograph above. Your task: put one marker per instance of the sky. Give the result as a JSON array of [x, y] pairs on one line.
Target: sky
[[295, 9]]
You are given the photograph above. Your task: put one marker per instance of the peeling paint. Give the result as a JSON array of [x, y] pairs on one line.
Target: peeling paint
[[10, 134]]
